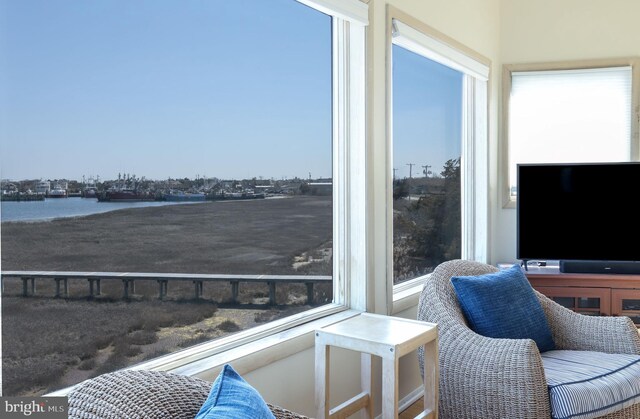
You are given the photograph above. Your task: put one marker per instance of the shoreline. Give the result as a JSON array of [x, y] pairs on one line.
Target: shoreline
[[155, 204], [125, 205]]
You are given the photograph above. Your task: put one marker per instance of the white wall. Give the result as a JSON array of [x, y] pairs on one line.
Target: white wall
[[290, 382], [559, 30], [552, 30]]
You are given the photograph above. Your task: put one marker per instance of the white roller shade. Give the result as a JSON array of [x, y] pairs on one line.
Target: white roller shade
[[581, 115]]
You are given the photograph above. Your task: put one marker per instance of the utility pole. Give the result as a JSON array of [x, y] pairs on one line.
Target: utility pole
[[410, 168], [410, 174], [394, 173], [426, 170]]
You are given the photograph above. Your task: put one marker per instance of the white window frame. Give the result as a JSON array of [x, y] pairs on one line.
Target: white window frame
[[413, 35], [509, 201], [289, 335]]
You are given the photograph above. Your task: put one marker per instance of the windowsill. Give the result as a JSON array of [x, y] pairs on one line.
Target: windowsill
[[264, 351], [407, 294], [509, 204], [248, 350]]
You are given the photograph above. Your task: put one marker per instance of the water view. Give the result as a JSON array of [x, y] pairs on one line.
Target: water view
[[111, 119], [51, 208]]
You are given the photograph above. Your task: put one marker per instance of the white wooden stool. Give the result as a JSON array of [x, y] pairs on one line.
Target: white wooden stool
[[389, 338]]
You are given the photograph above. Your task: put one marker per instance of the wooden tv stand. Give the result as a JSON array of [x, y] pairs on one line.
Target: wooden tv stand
[[593, 294]]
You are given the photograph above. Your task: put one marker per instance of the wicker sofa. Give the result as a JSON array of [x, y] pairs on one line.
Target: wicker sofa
[[486, 378], [132, 394]]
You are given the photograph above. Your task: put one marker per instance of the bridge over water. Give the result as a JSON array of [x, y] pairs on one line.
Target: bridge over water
[[129, 279]]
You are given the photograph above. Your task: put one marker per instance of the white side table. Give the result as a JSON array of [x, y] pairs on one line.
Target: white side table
[[386, 337]]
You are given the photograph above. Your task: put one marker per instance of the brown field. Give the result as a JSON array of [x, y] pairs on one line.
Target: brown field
[[50, 343]]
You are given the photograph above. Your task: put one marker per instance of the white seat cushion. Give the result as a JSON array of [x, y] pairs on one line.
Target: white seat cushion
[[585, 384]]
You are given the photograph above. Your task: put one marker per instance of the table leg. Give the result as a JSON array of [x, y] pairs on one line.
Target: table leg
[[322, 380], [366, 381], [389, 388], [431, 375]]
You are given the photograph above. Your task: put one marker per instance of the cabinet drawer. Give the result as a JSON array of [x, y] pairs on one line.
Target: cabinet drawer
[[591, 301], [626, 302]]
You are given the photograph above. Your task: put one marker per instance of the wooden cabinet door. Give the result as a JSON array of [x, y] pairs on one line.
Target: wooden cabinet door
[[591, 301], [626, 302]]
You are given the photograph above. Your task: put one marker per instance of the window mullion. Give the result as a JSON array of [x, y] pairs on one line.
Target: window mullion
[[480, 172], [467, 167], [356, 153], [340, 290], [349, 169]]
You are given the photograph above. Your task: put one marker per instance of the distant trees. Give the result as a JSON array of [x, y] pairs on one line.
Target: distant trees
[[400, 189], [427, 230]]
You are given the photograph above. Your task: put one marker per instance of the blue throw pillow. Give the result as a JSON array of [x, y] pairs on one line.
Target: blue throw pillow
[[232, 397], [503, 305]]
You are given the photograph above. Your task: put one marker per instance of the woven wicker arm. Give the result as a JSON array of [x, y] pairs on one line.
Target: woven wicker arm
[[575, 331], [144, 395], [491, 378], [480, 377]]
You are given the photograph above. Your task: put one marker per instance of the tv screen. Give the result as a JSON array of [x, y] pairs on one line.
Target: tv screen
[[578, 212]]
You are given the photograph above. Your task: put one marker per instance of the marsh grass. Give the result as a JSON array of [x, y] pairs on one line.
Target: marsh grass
[[43, 337], [70, 333], [46, 338], [87, 364], [229, 326], [194, 341]]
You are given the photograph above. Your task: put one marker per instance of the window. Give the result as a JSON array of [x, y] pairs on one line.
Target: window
[[250, 129], [427, 141], [568, 113], [438, 142]]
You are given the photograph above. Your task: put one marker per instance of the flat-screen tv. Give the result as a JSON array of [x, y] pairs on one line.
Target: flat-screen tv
[[584, 215]]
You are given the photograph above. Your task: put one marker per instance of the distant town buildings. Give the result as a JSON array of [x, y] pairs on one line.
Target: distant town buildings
[[51, 188]]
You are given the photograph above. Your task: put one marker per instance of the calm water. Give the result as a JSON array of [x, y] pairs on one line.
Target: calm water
[[65, 207]]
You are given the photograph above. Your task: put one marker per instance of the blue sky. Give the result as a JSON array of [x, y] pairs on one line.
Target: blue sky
[[427, 113], [165, 88], [168, 88]]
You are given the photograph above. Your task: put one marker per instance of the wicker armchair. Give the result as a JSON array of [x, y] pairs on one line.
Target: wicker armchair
[[486, 378], [145, 395]]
